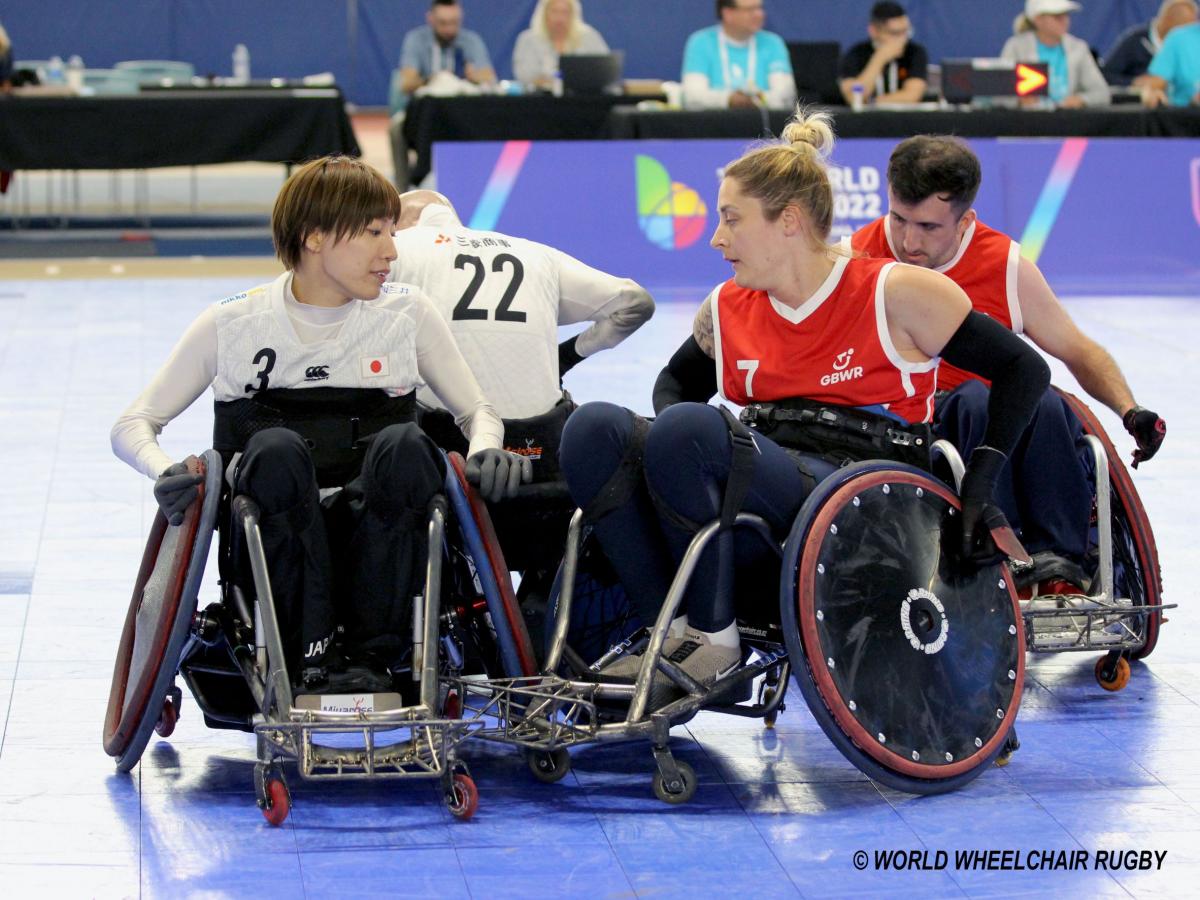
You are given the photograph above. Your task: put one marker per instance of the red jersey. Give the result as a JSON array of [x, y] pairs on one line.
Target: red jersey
[[835, 348], [985, 267]]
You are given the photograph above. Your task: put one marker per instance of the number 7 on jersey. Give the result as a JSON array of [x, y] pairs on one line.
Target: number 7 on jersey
[[749, 366]]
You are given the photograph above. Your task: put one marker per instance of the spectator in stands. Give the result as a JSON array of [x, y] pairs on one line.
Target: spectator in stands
[[1040, 34], [556, 29], [1174, 75], [440, 54], [890, 67], [443, 45], [737, 63], [1129, 58]]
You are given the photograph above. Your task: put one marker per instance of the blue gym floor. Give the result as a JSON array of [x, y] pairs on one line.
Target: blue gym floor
[[778, 813]]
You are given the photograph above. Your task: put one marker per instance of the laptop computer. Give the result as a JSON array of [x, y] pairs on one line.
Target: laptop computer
[[592, 74], [965, 79], [815, 68]]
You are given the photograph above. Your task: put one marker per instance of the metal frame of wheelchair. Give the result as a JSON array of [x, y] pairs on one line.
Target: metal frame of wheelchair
[[232, 641], [546, 714], [1103, 619]]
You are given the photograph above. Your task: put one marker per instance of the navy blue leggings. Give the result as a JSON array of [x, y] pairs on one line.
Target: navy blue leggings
[[1045, 489], [687, 461]]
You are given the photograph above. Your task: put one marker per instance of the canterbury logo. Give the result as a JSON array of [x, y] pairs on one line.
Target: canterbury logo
[[316, 373]]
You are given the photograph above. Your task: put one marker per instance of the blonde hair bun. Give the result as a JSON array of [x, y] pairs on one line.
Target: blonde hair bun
[[811, 128]]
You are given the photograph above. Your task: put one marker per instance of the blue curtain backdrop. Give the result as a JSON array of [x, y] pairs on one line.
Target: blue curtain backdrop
[[359, 40]]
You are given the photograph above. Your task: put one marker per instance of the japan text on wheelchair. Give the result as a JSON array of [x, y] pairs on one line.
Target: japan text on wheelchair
[[231, 654], [1119, 609], [912, 664]]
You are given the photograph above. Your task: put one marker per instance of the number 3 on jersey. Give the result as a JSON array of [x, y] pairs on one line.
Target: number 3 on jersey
[[504, 312], [266, 358], [749, 366]]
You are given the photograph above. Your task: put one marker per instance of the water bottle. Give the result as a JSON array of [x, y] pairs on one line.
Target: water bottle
[[54, 71], [75, 73], [241, 64], [856, 97]]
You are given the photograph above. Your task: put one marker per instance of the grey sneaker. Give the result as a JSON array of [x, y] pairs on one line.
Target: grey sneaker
[[625, 667]]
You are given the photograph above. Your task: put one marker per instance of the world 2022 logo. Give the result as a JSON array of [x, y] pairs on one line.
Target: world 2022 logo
[[670, 214]]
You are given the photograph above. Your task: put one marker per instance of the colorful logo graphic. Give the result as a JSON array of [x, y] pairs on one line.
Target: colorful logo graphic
[[670, 214]]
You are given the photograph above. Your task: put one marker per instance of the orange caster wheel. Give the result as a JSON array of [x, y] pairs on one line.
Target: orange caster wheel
[[463, 797], [1112, 675], [279, 802]]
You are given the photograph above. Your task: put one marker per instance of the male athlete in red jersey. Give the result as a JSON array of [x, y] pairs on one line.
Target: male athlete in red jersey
[[932, 182]]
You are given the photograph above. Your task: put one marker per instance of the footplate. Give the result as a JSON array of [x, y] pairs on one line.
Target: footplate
[[1055, 623], [378, 745], [539, 713]]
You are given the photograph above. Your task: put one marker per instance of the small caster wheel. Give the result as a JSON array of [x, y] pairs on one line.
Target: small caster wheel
[[1112, 674], [462, 798], [549, 766], [684, 791], [452, 707], [167, 718], [1012, 744], [278, 802]]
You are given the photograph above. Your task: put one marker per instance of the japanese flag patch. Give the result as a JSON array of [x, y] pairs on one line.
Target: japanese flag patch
[[373, 366]]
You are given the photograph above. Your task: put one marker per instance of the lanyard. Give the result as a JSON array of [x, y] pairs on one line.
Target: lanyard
[[750, 63]]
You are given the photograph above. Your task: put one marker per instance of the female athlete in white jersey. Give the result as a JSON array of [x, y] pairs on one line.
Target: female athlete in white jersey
[[335, 355]]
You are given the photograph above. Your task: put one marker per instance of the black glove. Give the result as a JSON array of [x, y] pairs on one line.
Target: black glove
[[175, 490], [979, 513], [1148, 429], [568, 357], [498, 473]]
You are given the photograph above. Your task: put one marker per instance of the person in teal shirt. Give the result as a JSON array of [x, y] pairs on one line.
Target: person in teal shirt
[[1175, 70], [737, 63]]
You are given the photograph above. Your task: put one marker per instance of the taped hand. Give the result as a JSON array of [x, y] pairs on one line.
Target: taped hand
[[498, 473], [175, 489], [1148, 429]]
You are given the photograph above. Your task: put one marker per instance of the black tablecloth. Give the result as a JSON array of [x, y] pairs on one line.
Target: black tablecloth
[[173, 128], [537, 117], [1117, 121]]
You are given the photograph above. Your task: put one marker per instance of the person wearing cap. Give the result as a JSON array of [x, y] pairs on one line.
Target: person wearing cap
[[1129, 58], [1041, 34]]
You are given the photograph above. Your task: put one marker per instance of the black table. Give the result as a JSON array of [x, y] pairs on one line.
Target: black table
[[1116, 121], [173, 128], [538, 117]]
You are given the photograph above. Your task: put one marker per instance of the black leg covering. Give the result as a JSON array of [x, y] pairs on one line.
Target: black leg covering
[[276, 471], [377, 527]]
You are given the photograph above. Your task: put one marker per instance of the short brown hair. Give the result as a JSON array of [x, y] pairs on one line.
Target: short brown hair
[[935, 165], [338, 195]]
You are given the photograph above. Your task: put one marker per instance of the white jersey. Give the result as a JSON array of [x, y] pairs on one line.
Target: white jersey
[[258, 347], [504, 298], [264, 338]]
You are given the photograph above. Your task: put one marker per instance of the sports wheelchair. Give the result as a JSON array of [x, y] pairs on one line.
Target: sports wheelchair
[[912, 666], [232, 659], [1121, 609]]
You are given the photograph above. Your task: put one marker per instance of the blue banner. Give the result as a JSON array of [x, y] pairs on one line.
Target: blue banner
[[1095, 214]]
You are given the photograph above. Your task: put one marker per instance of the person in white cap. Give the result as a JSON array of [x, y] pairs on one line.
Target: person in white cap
[[1041, 34]]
